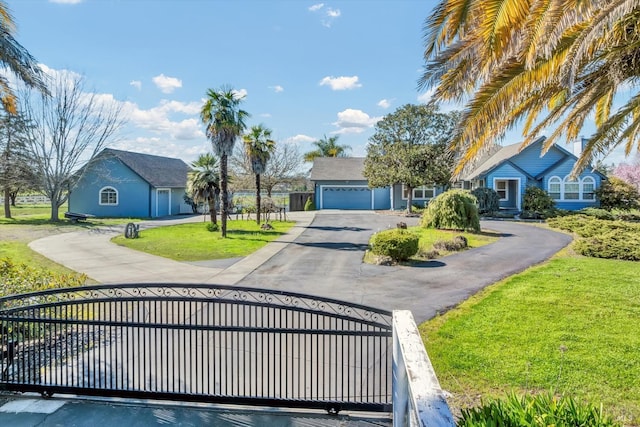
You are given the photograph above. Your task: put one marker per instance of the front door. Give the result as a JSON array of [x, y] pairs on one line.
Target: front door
[[163, 202], [508, 191]]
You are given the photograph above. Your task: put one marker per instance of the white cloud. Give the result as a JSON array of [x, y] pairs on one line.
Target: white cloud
[[136, 83], [426, 96], [316, 7], [298, 139], [161, 119], [341, 83], [265, 115], [241, 93], [277, 88], [354, 121], [167, 84], [333, 13], [66, 1], [384, 103]]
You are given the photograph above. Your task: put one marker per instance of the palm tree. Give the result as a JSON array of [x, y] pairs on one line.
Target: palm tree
[[327, 147], [542, 63], [224, 121], [18, 60], [259, 147], [203, 182]]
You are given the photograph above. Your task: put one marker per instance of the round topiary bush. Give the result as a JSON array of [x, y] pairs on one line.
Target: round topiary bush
[[488, 200], [453, 210], [398, 244]]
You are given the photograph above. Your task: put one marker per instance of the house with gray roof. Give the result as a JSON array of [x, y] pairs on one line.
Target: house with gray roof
[[339, 183], [122, 184], [511, 169]]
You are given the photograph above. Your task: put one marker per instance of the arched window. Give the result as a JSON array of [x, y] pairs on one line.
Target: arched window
[[588, 188], [108, 196], [555, 188]]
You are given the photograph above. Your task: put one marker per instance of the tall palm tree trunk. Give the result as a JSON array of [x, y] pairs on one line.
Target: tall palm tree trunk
[[225, 193], [258, 198]]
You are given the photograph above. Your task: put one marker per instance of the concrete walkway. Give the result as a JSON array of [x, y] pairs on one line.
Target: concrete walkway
[[91, 252]]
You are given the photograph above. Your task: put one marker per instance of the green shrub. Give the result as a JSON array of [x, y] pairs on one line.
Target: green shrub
[[602, 238], [452, 210], [536, 200], [212, 227], [398, 244], [488, 200], [598, 213], [309, 205], [458, 243], [20, 278], [618, 194], [538, 410]]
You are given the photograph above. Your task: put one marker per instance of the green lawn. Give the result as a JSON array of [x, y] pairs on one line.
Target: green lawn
[[570, 325], [429, 236], [193, 242]]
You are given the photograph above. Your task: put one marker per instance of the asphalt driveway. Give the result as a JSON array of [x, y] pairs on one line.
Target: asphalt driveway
[[326, 260]]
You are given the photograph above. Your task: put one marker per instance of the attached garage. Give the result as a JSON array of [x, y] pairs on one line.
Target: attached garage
[[340, 184], [345, 197]]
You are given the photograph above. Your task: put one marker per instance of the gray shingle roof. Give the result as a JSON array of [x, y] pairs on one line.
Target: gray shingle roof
[[502, 155], [338, 169], [156, 170]]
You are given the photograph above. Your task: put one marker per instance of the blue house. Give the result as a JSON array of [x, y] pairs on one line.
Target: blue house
[[509, 171], [121, 184], [340, 184]]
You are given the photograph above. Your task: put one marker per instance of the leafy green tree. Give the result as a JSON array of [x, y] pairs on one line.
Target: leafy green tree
[[410, 147], [225, 122], [327, 147], [259, 147], [203, 182], [18, 60], [15, 170], [545, 64]]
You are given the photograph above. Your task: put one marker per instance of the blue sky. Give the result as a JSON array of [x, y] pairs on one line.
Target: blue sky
[[307, 68]]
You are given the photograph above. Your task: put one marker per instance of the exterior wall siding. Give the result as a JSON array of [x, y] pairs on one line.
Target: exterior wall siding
[[401, 204], [133, 192], [530, 160], [506, 171], [563, 170]]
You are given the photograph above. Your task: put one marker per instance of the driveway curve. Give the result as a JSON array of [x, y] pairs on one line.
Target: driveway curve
[[326, 260], [322, 256]]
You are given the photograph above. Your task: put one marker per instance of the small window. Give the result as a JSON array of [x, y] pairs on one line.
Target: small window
[[422, 192], [502, 189], [554, 187], [108, 196], [588, 188]]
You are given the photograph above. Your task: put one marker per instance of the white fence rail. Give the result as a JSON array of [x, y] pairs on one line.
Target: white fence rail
[[418, 400], [30, 200]]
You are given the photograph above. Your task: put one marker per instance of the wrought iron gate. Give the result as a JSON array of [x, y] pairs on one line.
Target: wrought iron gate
[[197, 342]]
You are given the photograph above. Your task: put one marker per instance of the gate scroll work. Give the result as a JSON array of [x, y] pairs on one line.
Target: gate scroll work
[[196, 342]]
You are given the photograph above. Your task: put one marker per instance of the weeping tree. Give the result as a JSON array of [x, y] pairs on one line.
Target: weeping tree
[[224, 122], [203, 182], [259, 147]]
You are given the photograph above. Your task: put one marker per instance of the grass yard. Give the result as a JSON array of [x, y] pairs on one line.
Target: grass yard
[[193, 242], [570, 326], [429, 236]]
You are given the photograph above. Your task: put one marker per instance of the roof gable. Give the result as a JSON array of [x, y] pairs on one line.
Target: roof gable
[[158, 171], [338, 169]]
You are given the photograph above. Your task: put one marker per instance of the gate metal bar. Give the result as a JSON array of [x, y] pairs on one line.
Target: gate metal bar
[[198, 342]]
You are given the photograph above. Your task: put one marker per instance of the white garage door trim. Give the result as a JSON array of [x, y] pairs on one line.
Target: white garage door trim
[[322, 187]]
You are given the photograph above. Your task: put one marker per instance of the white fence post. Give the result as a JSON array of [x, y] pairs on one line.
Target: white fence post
[[418, 399]]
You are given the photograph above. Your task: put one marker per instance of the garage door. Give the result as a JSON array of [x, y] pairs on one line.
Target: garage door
[[346, 198]]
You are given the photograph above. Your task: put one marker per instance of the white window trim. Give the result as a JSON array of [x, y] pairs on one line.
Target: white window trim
[[108, 187], [518, 190], [580, 182], [427, 187], [560, 183]]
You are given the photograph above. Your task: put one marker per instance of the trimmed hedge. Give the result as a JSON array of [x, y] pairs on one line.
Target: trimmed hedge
[[398, 244], [452, 210]]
